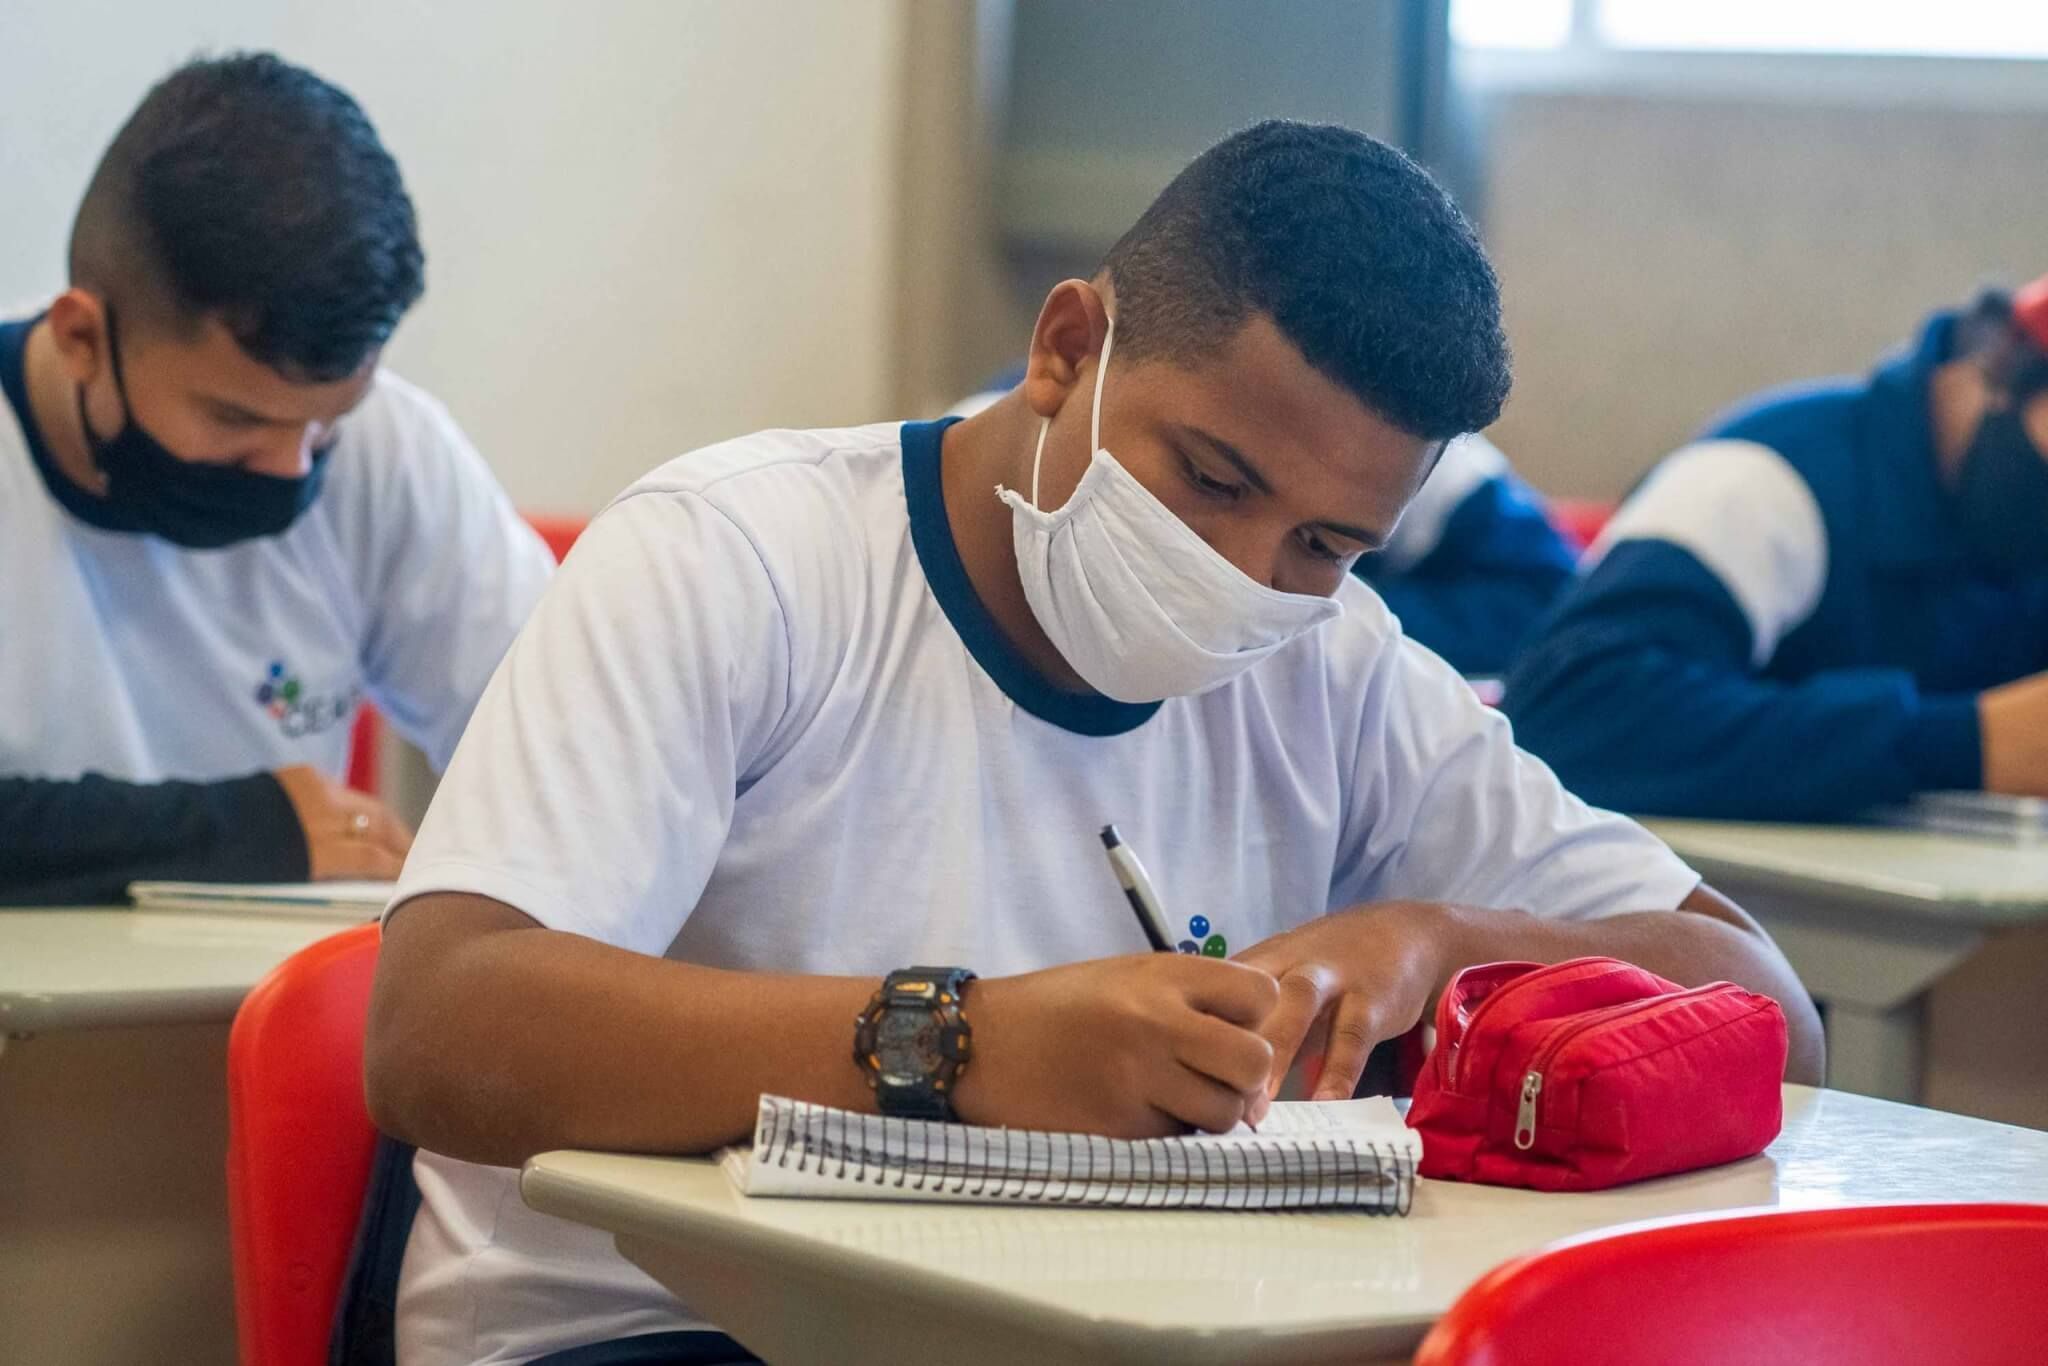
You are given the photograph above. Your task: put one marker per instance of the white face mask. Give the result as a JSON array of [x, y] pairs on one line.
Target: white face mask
[[1138, 604]]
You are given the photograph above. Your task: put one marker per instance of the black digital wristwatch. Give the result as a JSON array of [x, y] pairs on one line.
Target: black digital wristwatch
[[913, 1041]]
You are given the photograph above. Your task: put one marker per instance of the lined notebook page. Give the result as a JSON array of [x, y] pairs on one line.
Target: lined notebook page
[[1353, 1154]]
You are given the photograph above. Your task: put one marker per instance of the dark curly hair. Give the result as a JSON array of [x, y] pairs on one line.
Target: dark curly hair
[[247, 188], [1359, 258]]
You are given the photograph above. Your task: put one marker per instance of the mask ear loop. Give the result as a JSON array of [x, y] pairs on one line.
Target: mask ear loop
[[1037, 456], [1095, 408], [1094, 414]]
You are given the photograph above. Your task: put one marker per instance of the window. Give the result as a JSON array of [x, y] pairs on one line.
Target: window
[[1911, 28], [1527, 25]]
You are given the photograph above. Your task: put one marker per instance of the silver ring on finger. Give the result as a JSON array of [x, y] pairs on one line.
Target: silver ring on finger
[[359, 825]]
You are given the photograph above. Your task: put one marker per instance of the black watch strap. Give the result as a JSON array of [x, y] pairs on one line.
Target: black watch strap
[[927, 1000]]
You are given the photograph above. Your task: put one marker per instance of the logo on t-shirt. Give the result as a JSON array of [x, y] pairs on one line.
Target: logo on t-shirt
[[1201, 940], [298, 712]]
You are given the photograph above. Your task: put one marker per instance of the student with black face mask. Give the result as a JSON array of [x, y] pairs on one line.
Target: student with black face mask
[[1836, 598], [222, 526]]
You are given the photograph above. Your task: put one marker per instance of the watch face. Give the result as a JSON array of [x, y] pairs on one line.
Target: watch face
[[908, 1043]]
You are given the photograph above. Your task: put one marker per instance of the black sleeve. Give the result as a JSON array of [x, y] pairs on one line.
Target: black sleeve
[[81, 842]]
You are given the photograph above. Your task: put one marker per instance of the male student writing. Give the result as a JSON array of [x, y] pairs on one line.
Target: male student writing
[[221, 524], [1836, 597], [808, 708]]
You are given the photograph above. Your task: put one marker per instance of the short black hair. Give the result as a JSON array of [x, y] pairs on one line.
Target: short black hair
[[248, 188], [1359, 258]]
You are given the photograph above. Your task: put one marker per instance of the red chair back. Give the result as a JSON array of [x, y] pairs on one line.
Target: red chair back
[[300, 1143], [364, 770], [1580, 519], [1958, 1284], [559, 532], [365, 766]]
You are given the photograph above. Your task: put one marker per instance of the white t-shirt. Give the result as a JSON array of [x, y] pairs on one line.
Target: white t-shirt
[[761, 722], [129, 656]]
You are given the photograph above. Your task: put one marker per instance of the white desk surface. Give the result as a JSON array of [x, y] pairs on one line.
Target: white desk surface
[[90, 968], [845, 1281], [1978, 881]]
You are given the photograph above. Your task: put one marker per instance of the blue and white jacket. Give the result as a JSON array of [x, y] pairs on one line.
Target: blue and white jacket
[[1784, 621]]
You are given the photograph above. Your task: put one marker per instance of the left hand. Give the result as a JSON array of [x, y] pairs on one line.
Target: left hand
[[1349, 980]]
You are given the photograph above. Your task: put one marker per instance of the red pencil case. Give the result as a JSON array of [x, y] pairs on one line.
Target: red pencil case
[[1593, 1073]]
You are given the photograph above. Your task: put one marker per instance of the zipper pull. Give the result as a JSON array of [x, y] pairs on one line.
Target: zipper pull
[[1525, 1116]]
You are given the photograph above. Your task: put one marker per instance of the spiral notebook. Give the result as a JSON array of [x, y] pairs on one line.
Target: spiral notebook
[[1350, 1154]]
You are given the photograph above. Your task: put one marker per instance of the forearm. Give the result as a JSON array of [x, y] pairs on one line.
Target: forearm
[[1708, 939], [1600, 712], [492, 1039]]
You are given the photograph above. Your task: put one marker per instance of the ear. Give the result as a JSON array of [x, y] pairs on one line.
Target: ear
[[1071, 328], [78, 325]]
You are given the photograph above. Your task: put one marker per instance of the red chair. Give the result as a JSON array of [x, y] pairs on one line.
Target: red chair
[[559, 532], [300, 1144], [364, 769], [1958, 1284], [1580, 519], [365, 766]]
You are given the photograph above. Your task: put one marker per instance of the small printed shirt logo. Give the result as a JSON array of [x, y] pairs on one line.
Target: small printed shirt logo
[[299, 713], [1201, 941]]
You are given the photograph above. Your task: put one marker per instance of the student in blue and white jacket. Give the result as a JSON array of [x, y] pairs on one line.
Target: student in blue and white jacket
[[1837, 597], [1472, 564]]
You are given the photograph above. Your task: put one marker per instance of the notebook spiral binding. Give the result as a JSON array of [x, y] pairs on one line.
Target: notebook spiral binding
[[1293, 1172]]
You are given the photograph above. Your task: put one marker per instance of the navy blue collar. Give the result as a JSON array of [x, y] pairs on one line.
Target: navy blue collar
[[14, 383], [932, 534], [1911, 512]]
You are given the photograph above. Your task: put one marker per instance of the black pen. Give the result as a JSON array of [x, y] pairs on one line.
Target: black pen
[[1144, 901], [1137, 890]]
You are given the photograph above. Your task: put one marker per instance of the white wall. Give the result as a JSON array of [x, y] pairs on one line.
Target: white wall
[[649, 223]]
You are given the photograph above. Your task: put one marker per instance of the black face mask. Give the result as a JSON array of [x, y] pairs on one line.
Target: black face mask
[[2002, 494], [190, 503]]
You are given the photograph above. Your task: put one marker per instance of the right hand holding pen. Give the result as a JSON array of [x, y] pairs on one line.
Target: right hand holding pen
[[1137, 1047], [348, 833]]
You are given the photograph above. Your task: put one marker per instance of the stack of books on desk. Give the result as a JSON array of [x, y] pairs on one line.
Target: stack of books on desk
[[351, 901], [1981, 815]]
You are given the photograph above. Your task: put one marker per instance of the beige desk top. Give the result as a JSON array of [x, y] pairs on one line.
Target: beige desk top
[[83, 968], [1199, 1287], [1947, 877]]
